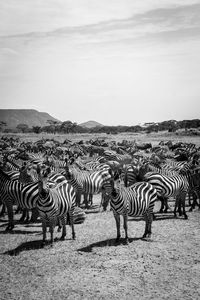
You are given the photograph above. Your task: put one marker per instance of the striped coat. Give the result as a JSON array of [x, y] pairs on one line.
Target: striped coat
[[136, 200], [55, 203]]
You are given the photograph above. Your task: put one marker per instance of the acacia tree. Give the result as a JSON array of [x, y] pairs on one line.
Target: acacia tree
[[54, 125], [22, 127], [2, 125], [36, 129], [68, 126]]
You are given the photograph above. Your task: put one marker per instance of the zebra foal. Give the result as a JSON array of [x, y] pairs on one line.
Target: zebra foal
[[136, 200]]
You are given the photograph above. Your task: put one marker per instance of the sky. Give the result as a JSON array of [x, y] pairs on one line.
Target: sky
[[118, 62]]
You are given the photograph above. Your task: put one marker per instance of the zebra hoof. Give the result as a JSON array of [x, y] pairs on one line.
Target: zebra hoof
[[126, 241], [117, 240]]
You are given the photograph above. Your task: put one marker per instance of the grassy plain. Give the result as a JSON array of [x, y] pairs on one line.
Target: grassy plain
[[154, 137]]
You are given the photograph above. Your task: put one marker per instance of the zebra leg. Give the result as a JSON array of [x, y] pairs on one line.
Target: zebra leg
[[44, 231], [72, 224], [146, 225], [34, 216], [51, 229], [165, 203], [162, 204], [59, 225], [24, 215], [191, 204], [3, 210], [126, 228], [63, 222], [78, 198], [183, 205], [90, 199], [85, 195], [189, 200], [105, 200], [148, 217], [180, 201], [63, 232], [10, 215], [150, 220], [27, 215], [195, 202], [117, 220], [175, 206]]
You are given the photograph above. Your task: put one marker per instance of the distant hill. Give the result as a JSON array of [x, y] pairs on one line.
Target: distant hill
[[31, 117], [90, 124]]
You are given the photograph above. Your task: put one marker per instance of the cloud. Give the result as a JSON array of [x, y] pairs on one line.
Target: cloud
[[167, 21], [34, 16]]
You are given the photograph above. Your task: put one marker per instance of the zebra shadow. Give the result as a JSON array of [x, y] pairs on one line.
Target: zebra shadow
[[94, 209], [19, 231], [157, 217], [107, 243], [32, 245]]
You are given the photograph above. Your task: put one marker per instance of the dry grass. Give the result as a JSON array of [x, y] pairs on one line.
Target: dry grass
[[154, 138], [94, 267]]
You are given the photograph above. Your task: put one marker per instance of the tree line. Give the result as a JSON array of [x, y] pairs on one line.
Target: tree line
[[72, 127]]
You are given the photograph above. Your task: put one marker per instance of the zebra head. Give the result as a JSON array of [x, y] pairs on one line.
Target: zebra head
[[67, 174], [43, 173], [108, 188]]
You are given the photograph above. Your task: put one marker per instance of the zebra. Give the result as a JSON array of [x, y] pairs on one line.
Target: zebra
[[86, 183], [27, 174], [55, 203], [14, 192], [194, 191], [174, 185], [129, 174], [141, 172], [179, 166], [14, 175], [121, 158], [136, 200]]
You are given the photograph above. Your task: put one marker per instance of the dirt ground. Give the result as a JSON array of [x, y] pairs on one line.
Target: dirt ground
[[94, 267]]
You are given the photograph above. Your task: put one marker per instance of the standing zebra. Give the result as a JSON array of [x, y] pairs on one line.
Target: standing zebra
[[55, 203], [13, 175], [27, 175], [86, 183], [136, 200], [14, 192], [174, 185]]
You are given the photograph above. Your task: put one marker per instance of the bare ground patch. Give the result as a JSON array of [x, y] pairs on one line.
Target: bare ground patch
[[95, 267]]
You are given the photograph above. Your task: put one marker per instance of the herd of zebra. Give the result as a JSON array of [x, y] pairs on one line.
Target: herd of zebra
[[50, 178]]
